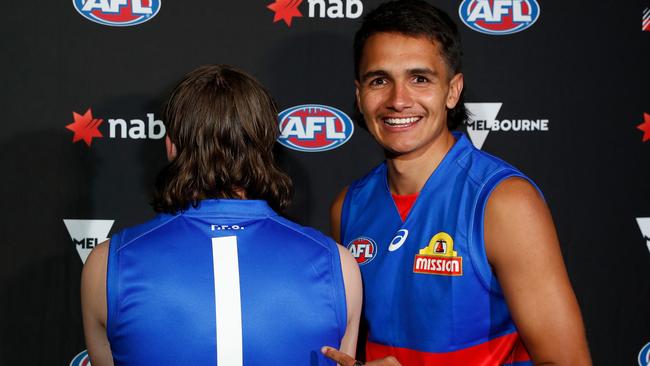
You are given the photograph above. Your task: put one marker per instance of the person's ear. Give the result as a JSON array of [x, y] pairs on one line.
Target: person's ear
[[170, 147], [455, 90]]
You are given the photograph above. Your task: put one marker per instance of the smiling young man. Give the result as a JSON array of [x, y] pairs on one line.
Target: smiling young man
[[458, 252]]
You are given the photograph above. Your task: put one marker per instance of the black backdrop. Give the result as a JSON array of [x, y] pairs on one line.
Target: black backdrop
[[582, 67]]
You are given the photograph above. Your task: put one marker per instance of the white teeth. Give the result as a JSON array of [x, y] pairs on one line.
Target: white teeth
[[400, 121]]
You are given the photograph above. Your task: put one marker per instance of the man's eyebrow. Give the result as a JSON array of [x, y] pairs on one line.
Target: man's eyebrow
[[373, 73], [422, 71]]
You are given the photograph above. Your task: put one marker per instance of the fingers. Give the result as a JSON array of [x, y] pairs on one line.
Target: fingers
[[388, 361], [338, 356]]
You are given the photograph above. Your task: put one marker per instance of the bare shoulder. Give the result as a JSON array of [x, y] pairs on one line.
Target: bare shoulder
[[97, 260], [347, 260], [93, 284], [516, 218], [514, 192]]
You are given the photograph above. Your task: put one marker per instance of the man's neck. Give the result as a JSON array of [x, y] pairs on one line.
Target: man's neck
[[408, 173]]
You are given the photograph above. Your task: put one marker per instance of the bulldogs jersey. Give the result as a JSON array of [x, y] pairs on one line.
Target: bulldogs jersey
[[228, 283], [430, 297]]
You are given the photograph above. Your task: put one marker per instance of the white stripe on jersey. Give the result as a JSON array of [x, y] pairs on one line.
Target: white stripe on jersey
[[227, 301]]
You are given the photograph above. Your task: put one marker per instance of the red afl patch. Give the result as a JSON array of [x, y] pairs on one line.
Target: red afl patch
[[363, 249]]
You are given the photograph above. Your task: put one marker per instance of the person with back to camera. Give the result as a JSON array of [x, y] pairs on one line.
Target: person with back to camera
[[466, 267], [218, 276]]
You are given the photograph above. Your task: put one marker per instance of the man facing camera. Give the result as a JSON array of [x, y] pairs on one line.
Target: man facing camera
[[218, 276], [458, 252]]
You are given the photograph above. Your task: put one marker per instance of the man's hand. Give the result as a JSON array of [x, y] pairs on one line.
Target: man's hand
[[345, 360]]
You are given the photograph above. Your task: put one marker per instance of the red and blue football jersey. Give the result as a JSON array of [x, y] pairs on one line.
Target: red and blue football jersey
[[430, 297], [229, 283]]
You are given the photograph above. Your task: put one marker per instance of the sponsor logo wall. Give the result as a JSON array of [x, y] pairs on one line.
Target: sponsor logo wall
[[85, 81]]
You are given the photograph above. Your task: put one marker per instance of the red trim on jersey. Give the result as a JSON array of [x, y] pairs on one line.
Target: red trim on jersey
[[404, 203], [499, 351]]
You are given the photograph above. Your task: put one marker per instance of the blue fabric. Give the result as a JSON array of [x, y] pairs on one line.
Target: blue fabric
[[422, 311], [160, 288]]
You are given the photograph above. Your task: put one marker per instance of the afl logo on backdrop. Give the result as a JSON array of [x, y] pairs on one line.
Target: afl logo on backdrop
[[363, 249], [118, 13], [644, 355], [499, 17], [81, 359], [313, 128]]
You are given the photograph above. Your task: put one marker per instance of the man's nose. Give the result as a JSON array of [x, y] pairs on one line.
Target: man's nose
[[400, 97]]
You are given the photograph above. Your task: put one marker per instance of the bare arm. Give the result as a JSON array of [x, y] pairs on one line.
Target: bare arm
[[353, 297], [93, 306], [335, 215], [523, 249]]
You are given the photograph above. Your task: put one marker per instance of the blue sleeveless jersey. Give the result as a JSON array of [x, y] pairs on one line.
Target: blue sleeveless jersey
[[228, 283], [430, 297]]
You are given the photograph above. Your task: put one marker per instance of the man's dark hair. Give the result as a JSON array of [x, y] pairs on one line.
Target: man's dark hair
[[223, 124], [415, 18]]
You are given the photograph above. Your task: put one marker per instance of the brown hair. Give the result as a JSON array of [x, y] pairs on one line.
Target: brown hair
[[223, 124]]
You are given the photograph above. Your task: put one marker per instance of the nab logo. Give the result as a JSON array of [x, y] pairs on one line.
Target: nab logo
[[86, 234], [499, 17], [483, 119], [117, 13], [645, 127], [288, 9], [81, 359], [86, 127], [363, 249], [644, 225], [314, 128]]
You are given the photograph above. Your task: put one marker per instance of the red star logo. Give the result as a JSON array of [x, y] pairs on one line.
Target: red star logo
[[85, 127], [645, 127], [285, 10]]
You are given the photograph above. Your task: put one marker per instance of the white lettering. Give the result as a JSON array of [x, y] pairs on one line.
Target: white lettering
[[358, 5], [517, 13], [313, 126], [500, 8], [482, 10], [153, 123], [294, 128], [330, 129], [137, 7], [116, 4], [544, 126], [112, 123], [335, 10], [137, 129], [91, 5], [321, 8]]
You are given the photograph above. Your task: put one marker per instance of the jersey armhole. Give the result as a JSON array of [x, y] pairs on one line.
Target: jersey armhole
[[340, 300], [112, 284], [476, 233]]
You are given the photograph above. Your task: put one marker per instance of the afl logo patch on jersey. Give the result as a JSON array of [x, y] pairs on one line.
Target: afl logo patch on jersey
[[439, 257], [363, 249]]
